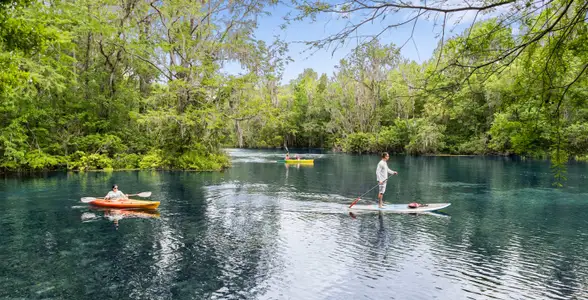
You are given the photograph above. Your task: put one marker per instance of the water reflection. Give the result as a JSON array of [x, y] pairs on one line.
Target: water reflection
[[116, 215]]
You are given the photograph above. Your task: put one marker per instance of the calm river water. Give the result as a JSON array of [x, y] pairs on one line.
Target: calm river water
[[264, 230]]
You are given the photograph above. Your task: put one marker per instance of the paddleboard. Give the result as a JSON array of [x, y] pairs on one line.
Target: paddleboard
[[400, 208]]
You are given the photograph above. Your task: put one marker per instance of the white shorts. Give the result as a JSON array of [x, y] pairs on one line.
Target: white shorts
[[382, 188]]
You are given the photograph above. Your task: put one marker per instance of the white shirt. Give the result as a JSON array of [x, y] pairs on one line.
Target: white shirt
[[382, 171], [115, 195]]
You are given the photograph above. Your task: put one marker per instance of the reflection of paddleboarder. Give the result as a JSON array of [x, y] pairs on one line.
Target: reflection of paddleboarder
[[287, 168], [287, 151]]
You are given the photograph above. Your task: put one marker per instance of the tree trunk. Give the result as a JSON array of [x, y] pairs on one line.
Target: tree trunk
[[239, 131]]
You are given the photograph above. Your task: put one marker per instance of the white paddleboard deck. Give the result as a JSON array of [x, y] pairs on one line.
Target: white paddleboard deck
[[400, 208]]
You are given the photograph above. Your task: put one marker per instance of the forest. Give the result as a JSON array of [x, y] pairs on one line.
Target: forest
[[135, 84]]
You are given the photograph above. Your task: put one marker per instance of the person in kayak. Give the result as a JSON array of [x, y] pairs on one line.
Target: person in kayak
[[288, 156], [115, 194], [382, 172]]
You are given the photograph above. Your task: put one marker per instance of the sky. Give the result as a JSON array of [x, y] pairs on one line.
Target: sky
[[426, 37]]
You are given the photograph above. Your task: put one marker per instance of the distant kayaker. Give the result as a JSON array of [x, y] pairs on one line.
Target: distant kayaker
[[297, 157], [382, 172], [115, 194], [287, 155]]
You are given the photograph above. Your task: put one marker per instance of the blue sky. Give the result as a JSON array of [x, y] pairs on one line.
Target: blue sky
[[426, 37]]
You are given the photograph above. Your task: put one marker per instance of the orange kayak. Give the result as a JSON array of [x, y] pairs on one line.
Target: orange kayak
[[130, 203]]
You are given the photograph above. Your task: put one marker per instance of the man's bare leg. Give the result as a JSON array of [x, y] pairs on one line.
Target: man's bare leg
[[381, 200]]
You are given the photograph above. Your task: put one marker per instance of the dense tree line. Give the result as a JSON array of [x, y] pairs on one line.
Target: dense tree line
[[512, 83], [140, 84], [122, 84]]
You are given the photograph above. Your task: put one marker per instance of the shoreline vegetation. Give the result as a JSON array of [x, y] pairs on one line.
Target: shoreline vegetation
[[89, 85], [224, 162]]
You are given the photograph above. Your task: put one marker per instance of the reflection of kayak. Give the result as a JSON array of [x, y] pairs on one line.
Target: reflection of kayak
[[130, 203], [297, 161], [298, 166], [125, 214], [400, 208], [115, 214]]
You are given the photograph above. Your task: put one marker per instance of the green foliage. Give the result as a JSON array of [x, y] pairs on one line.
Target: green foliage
[[90, 85], [393, 138], [426, 137], [357, 142], [37, 160], [126, 161], [99, 143], [153, 160], [512, 133], [559, 158], [577, 138], [84, 162], [13, 145], [501, 132], [269, 141], [200, 158], [195, 160], [476, 146]]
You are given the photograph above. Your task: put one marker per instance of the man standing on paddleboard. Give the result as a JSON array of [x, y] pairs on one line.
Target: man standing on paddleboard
[[382, 172]]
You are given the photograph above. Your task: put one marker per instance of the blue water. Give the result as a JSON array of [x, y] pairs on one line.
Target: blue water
[[264, 230]]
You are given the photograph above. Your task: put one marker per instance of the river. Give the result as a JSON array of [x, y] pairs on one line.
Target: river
[[266, 230]]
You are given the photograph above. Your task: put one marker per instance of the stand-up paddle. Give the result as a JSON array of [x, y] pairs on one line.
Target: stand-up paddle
[[359, 198]]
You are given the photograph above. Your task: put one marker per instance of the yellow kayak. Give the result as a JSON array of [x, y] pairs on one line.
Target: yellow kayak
[[298, 161]]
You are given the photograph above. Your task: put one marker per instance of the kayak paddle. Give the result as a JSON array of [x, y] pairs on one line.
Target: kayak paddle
[[143, 194], [90, 199]]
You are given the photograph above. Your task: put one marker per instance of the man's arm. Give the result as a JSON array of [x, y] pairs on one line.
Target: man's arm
[[390, 171]]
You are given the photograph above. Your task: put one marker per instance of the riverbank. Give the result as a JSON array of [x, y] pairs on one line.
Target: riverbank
[[154, 160]]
